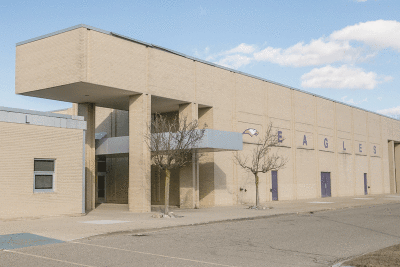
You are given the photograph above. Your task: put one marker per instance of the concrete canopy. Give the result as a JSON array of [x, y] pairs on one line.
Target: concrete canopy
[[82, 92], [213, 141], [82, 64], [103, 96]]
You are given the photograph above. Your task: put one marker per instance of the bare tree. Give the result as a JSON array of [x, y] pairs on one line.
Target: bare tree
[[261, 159], [172, 141]]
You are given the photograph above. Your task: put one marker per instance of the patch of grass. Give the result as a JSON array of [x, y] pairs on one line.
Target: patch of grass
[[386, 257]]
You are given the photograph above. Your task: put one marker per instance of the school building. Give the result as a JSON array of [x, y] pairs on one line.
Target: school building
[[117, 83]]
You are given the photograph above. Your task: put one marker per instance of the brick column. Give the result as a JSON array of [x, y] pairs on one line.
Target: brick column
[[392, 167], [397, 166], [188, 184], [139, 192], [87, 110]]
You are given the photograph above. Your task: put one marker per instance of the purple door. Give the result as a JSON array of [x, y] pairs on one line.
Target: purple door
[[365, 184], [274, 189], [325, 184]]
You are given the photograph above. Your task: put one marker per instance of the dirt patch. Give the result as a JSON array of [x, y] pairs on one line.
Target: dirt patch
[[386, 257]]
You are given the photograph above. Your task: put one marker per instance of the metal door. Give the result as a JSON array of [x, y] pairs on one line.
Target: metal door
[[101, 180], [365, 184], [274, 189], [325, 184], [101, 187]]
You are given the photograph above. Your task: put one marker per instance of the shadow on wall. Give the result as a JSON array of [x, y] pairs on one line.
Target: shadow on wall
[[158, 187], [206, 184], [247, 187], [212, 178], [114, 122]]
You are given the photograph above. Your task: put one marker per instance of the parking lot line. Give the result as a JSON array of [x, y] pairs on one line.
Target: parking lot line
[[320, 202], [47, 258], [152, 254]]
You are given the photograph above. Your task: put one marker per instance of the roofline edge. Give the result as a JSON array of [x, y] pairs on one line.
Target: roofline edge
[[194, 59]]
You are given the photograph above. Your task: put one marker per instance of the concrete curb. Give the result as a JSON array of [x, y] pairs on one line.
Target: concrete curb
[[156, 229]]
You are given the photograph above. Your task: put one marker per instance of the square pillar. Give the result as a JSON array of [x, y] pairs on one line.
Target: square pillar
[[139, 192], [392, 167], [397, 166], [206, 164], [87, 110], [188, 175]]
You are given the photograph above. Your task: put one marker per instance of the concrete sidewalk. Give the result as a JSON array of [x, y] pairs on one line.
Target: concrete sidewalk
[[109, 218]]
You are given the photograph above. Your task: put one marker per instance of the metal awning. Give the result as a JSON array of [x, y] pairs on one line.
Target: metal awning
[[213, 141]]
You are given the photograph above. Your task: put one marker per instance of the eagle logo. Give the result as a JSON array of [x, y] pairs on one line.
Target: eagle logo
[[250, 131]]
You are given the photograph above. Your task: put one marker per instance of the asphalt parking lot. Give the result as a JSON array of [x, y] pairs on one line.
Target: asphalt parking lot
[[313, 239]]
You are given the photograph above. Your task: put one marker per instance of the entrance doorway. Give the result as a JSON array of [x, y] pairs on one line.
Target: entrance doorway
[[274, 181], [365, 184], [101, 180], [325, 184]]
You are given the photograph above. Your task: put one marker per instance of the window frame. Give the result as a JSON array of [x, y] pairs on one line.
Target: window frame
[[52, 173]]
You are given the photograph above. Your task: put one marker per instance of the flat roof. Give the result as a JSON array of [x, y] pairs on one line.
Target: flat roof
[[189, 57], [31, 117], [41, 113]]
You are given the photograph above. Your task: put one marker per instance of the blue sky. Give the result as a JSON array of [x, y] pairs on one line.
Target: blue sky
[[346, 50]]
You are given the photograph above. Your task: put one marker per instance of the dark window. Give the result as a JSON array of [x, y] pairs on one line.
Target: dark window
[[43, 181], [44, 165], [43, 175], [101, 166]]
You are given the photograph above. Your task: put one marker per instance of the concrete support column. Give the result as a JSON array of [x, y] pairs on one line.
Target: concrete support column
[[397, 166], [139, 192], [392, 170], [87, 110], [206, 164], [188, 175]]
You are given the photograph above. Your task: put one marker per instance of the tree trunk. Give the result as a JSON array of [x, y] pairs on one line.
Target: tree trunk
[[166, 198], [257, 195]]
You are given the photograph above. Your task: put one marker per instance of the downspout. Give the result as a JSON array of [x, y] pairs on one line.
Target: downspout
[[83, 172], [198, 183], [194, 179]]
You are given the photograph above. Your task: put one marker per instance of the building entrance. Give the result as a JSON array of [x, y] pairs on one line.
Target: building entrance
[[274, 181], [325, 184], [101, 180]]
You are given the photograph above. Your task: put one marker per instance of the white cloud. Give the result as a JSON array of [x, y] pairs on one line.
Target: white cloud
[[242, 48], [352, 102], [317, 52], [341, 77], [378, 34], [234, 61], [361, 0], [336, 48], [205, 52], [394, 112]]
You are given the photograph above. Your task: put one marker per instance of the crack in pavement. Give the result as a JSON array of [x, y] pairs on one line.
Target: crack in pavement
[[300, 252], [357, 226]]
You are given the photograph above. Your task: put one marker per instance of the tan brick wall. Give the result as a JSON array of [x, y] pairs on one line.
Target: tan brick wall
[[238, 102], [170, 75], [116, 62], [51, 61], [68, 111], [20, 145]]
